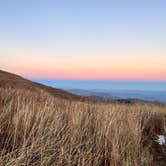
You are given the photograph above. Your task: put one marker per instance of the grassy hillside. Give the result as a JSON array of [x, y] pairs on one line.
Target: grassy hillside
[[40, 125], [9, 80], [37, 130]]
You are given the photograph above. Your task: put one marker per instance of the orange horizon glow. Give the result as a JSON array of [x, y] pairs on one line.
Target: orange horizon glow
[[90, 67], [84, 40], [91, 75]]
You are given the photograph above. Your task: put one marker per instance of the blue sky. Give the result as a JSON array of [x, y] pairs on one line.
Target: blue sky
[[83, 39], [105, 84]]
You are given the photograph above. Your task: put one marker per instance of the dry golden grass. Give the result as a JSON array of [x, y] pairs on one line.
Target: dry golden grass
[[42, 130]]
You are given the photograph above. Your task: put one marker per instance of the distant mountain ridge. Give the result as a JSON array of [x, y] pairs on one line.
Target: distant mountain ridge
[[159, 96], [10, 80]]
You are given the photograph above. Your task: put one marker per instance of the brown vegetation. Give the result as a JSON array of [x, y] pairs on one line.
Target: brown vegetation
[[44, 126], [12, 81], [37, 129]]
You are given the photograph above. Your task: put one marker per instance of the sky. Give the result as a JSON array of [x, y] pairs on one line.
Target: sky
[[84, 39], [109, 86]]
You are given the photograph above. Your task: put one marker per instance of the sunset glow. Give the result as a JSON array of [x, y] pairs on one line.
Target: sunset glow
[[110, 40]]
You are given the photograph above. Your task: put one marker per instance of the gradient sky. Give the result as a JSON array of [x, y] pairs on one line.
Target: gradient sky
[[84, 39]]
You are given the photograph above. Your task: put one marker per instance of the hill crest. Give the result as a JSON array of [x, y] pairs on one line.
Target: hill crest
[[10, 80]]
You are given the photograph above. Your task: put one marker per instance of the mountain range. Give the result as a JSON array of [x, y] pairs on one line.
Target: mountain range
[[10, 80], [154, 96]]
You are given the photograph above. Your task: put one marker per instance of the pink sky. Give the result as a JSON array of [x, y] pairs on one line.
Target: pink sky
[[89, 67], [84, 39]]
